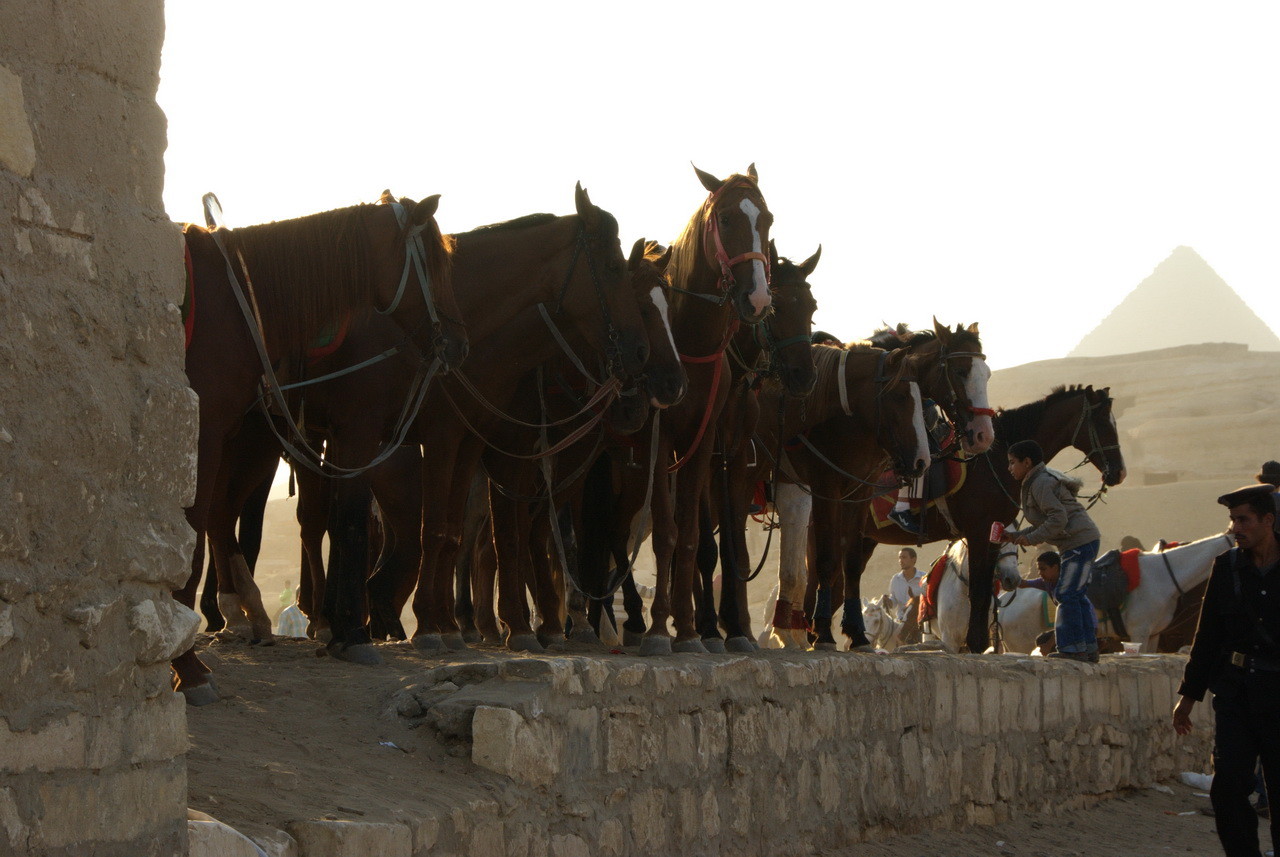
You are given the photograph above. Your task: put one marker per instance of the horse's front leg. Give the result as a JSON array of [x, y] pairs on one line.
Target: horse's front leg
[[704, 591], [397, 487], [981, 564], [657, 638], [312, 511], [513, 606], [794, 508], [857, 550]]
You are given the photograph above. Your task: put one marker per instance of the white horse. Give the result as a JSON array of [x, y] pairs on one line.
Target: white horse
[[883, 630], [1021, 612], [1165, 575]]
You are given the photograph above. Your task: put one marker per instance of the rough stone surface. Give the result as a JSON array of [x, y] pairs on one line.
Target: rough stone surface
[[96, 431]]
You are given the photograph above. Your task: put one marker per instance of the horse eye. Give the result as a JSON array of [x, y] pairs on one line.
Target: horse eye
[[724, 220]]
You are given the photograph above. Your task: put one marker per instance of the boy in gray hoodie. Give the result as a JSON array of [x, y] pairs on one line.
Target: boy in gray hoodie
[[1055, 516]]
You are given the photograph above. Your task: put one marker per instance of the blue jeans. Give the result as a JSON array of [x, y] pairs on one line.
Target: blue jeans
[[1077, 626]]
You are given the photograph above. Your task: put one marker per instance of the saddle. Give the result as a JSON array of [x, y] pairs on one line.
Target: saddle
[[1110, 585]]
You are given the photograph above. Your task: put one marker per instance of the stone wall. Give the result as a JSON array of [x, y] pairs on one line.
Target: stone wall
[[772, 753], [97, 432]]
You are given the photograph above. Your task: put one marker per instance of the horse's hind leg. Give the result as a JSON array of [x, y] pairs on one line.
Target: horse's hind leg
[[793, 506], [312, 512], [707, 558]]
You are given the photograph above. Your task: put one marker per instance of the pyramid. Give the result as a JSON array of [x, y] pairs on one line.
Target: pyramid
[[1182, 302]]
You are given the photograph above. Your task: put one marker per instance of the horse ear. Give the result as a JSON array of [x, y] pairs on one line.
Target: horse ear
[[426, 209], [751, 171], [944, 334], [773, 254], [637, 255], [812, 262], [386, 198], [582, 203], [973, 328], [664, 260], [710, 182]]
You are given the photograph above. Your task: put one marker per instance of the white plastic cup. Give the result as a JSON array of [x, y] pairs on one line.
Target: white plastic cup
[[1131, 648]]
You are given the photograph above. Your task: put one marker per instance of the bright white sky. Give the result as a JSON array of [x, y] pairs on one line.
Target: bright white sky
[[1019, 164]]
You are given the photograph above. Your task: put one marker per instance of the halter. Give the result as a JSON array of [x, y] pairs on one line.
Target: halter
[[415, 258], [713, 247], [612, 352], [1095, 447]]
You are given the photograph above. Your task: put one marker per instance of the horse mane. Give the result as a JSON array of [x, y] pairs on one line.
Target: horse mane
[[686, 250], [825, 360], [523, 222], [307, 272], [1020, 423]]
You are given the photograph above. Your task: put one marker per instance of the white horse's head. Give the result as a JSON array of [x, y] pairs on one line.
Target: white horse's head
[[1007, 567]]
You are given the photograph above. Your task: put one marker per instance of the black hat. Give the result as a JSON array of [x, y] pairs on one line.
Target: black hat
[[1246, 494]]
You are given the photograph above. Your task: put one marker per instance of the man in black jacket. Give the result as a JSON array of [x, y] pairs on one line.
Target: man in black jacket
[[1236, 655]]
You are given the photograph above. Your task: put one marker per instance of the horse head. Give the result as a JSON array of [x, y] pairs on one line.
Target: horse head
[[1103, 436], [785, 334], [593, 289], [899, 415], [958, 382], [1006, 570], [414, 274], [733, 234], [664, 377]]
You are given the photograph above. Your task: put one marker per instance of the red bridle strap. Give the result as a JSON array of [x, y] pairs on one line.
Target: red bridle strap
[[714, 246], [982, 412], [717, 358]]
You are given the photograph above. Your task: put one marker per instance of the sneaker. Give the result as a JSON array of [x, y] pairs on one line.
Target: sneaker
[[907, 520]]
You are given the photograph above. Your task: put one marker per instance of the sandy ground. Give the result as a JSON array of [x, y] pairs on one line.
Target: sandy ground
[[300, 735]]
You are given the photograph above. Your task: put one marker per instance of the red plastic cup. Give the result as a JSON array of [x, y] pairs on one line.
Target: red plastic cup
[[997, 533]]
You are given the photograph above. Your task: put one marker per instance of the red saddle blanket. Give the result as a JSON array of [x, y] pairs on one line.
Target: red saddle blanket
[[881, 506], [1129, 562], [933, 580]]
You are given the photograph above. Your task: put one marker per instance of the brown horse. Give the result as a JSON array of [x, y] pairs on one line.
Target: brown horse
[[707, 283], [574, 265], [864, 415], [1079, 417], [308, 275], [784, 339]]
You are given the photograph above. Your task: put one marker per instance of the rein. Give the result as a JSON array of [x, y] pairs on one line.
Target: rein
[[1169, 568]]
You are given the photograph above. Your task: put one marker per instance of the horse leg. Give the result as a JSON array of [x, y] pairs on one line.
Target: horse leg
[[536, 559], [513, 607], [794, 506], [484, 577], [314, 494], [704, 594], [448, 461], [981, 563], [398, 491], [657, 638], [214, 622], [346, 603], [190, 675]]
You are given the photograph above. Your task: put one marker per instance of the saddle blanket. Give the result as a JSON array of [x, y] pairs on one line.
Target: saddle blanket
[[949, 472]]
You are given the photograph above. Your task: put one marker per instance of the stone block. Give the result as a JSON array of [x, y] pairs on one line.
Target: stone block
[[504, 742], [277, 843], [712, 735], [611, 840], [116, 807], [487, 840], [968, 705], [346, 838], [61, 744], [215, 839], [567, 846], [649, 820]]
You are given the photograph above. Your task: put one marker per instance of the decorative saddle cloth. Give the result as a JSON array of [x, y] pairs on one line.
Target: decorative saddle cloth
[[933, 580], [942, 479]]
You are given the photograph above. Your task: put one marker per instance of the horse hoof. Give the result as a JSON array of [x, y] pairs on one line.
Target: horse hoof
[[268, 640], [632, 638], [585, 635], [714, 645], [824, 646], [429, 643], [471, 637], [361, 653], [549, 640], [454, 641], [739, 644], [524, 643], [865, 648], [492, 639], [200, 694], [686, 647], [655, 646]]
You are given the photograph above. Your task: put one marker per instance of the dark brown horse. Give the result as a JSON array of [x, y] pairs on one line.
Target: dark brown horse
[[864, 416], [308, 276], [778, 347], [1078, 417], [953, 375]]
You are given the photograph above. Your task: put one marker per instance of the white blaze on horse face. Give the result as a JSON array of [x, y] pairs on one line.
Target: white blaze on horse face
[[983, 430], [660, 301], [917, 420], [760, 298]]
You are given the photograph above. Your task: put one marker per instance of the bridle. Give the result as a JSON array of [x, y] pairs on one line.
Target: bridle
[[415, 259], [958, 403], [1096, 446], [713, 247], [613, 353]]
